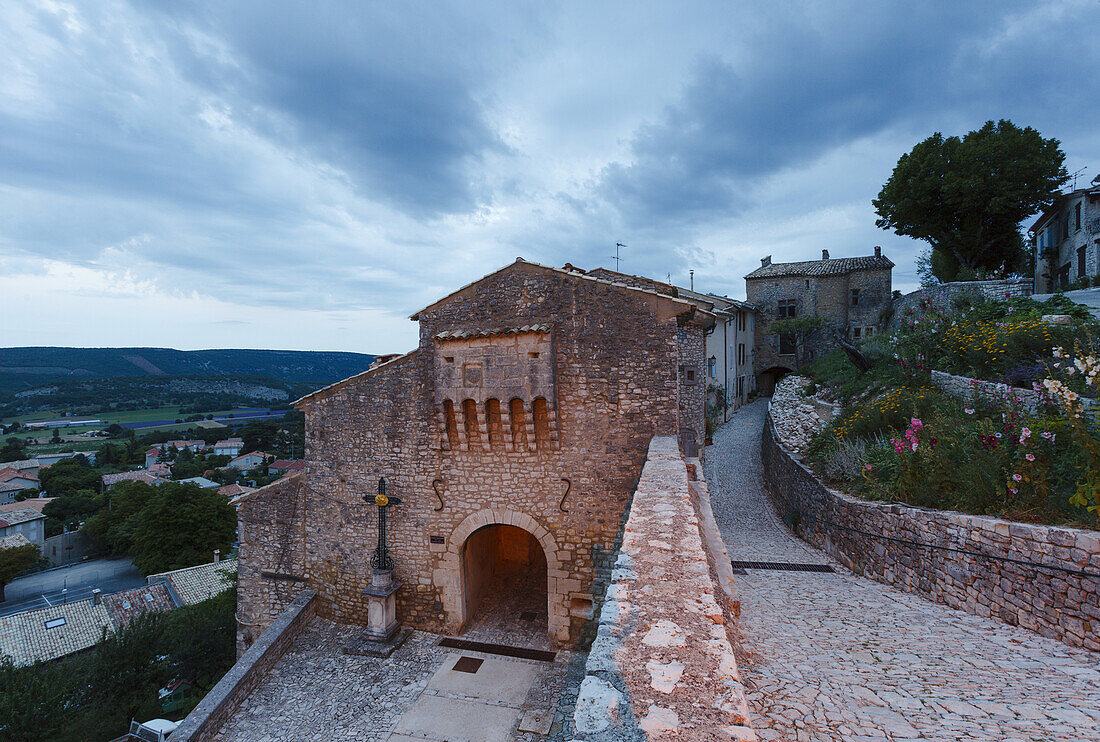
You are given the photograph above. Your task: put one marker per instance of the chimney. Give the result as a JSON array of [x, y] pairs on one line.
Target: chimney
[[97, 596], [217, 555], [878, 251], [824, 254], [765, 262]]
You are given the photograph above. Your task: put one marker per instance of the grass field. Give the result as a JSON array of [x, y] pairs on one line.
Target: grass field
[[110, 417]]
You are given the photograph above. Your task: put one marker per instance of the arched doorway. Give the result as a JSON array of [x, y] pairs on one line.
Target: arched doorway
[[769, 378], [504, 578]]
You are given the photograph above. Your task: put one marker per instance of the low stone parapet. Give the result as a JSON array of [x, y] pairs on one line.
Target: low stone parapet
[[999, 290], [966, 388], [1043, 578], [221, 702], [662, 665]]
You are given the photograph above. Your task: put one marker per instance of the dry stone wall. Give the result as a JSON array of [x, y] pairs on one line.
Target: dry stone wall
[[945, 292], [1043, 578], [662, 665]]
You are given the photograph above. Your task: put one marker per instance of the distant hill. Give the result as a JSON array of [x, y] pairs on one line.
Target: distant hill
[[27, 368]]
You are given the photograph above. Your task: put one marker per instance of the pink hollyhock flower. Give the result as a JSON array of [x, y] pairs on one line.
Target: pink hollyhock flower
[[1013, 490], [916, 424], [968, 410], [1017, 477], [867, 467], [1025, 433], [1030, 457]]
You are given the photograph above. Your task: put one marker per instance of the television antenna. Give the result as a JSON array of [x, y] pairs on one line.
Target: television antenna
[[1074, 176], [616, 255]]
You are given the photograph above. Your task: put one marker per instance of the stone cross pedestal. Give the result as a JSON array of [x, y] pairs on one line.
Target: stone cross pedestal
[[382, 606]]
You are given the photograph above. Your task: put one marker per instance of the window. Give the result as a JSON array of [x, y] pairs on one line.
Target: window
[[1081, 261], [53, 623], [786, 344], [741, 388], [452, 423], [868, 331], [740, 354], [855, 297], [741, 321], [807, 283], [1077, 215], [688, 374], [712, 367], [787, 308], [1065, 227]]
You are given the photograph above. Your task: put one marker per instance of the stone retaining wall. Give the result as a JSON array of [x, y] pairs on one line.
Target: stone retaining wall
[[1000, 290], [964, 387], [1043, 578], [221, 702], [662, 663]]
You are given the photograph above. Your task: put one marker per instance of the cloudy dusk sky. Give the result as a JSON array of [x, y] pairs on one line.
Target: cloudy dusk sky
[[306, 175]]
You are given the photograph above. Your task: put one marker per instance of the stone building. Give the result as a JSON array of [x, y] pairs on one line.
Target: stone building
[[1066, 240], [850, 294], [513, 435], [730, 342]]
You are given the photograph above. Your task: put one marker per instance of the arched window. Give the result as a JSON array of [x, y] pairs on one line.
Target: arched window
[[519, 423], [493, 422], [542, 423], [452, 424], [469, 417]]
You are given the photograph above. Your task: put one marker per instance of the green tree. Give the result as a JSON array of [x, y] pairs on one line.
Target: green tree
[[13, 450], [258, 436], [33, 699], [69, 475], [13, 561], [201, 639], [181, 526], [113, 527], [800, 330], [70, 510], [966, 197]]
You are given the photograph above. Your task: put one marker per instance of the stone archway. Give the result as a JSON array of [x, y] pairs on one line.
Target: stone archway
[[451, 575], [767, 380]]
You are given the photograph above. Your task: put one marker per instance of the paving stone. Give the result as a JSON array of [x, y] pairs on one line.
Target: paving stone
[[857, 653]]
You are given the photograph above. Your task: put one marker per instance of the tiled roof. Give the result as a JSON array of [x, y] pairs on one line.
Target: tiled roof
[[159, 470], [230, 442], [25, 638], [196, 584], [22, 464], [23, 515], [828, 267], [31, 503], [8, 473], [14, 486], [124, 607], [109, 480], [200, 481], [14, 541], [287, 465], [498, 332], [232, 490]]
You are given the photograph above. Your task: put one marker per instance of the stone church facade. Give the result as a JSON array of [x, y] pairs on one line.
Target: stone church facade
[[514, 432]]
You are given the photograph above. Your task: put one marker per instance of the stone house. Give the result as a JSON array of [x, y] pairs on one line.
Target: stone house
[[1065, 239], [513, 435], [728, 352], [29, 523], [850, 294]]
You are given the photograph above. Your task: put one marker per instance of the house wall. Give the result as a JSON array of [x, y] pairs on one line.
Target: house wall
[[611, 382], [826, 296], [1060, 234]]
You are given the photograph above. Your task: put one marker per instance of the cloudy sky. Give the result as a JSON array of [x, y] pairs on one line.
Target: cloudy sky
[[306, 175]]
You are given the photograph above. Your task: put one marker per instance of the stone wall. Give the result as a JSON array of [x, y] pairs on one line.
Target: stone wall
[[827, 296], [998, 290], [592, 369], [662, 664], [204, 721], [1043, 578], [966, 388]]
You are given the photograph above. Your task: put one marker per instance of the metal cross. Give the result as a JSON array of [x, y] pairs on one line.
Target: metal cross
[[381, 558]]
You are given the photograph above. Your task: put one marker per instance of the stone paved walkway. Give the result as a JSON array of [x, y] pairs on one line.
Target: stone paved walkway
[[840, 657]]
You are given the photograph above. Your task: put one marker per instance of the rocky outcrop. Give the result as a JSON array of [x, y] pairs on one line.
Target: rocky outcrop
[[796, 417]]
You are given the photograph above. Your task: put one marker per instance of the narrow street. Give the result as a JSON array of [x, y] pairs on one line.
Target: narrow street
[[66, 584], [840, 657]]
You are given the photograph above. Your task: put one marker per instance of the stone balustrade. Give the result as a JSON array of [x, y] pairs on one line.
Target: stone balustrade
[[662, 665]]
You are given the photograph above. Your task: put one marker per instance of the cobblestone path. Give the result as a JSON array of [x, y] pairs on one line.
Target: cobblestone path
[[841, 657]]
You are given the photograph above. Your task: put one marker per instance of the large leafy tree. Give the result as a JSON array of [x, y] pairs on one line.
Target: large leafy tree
[[69, 475], [966, 197], [181, 526], [13, 561]]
